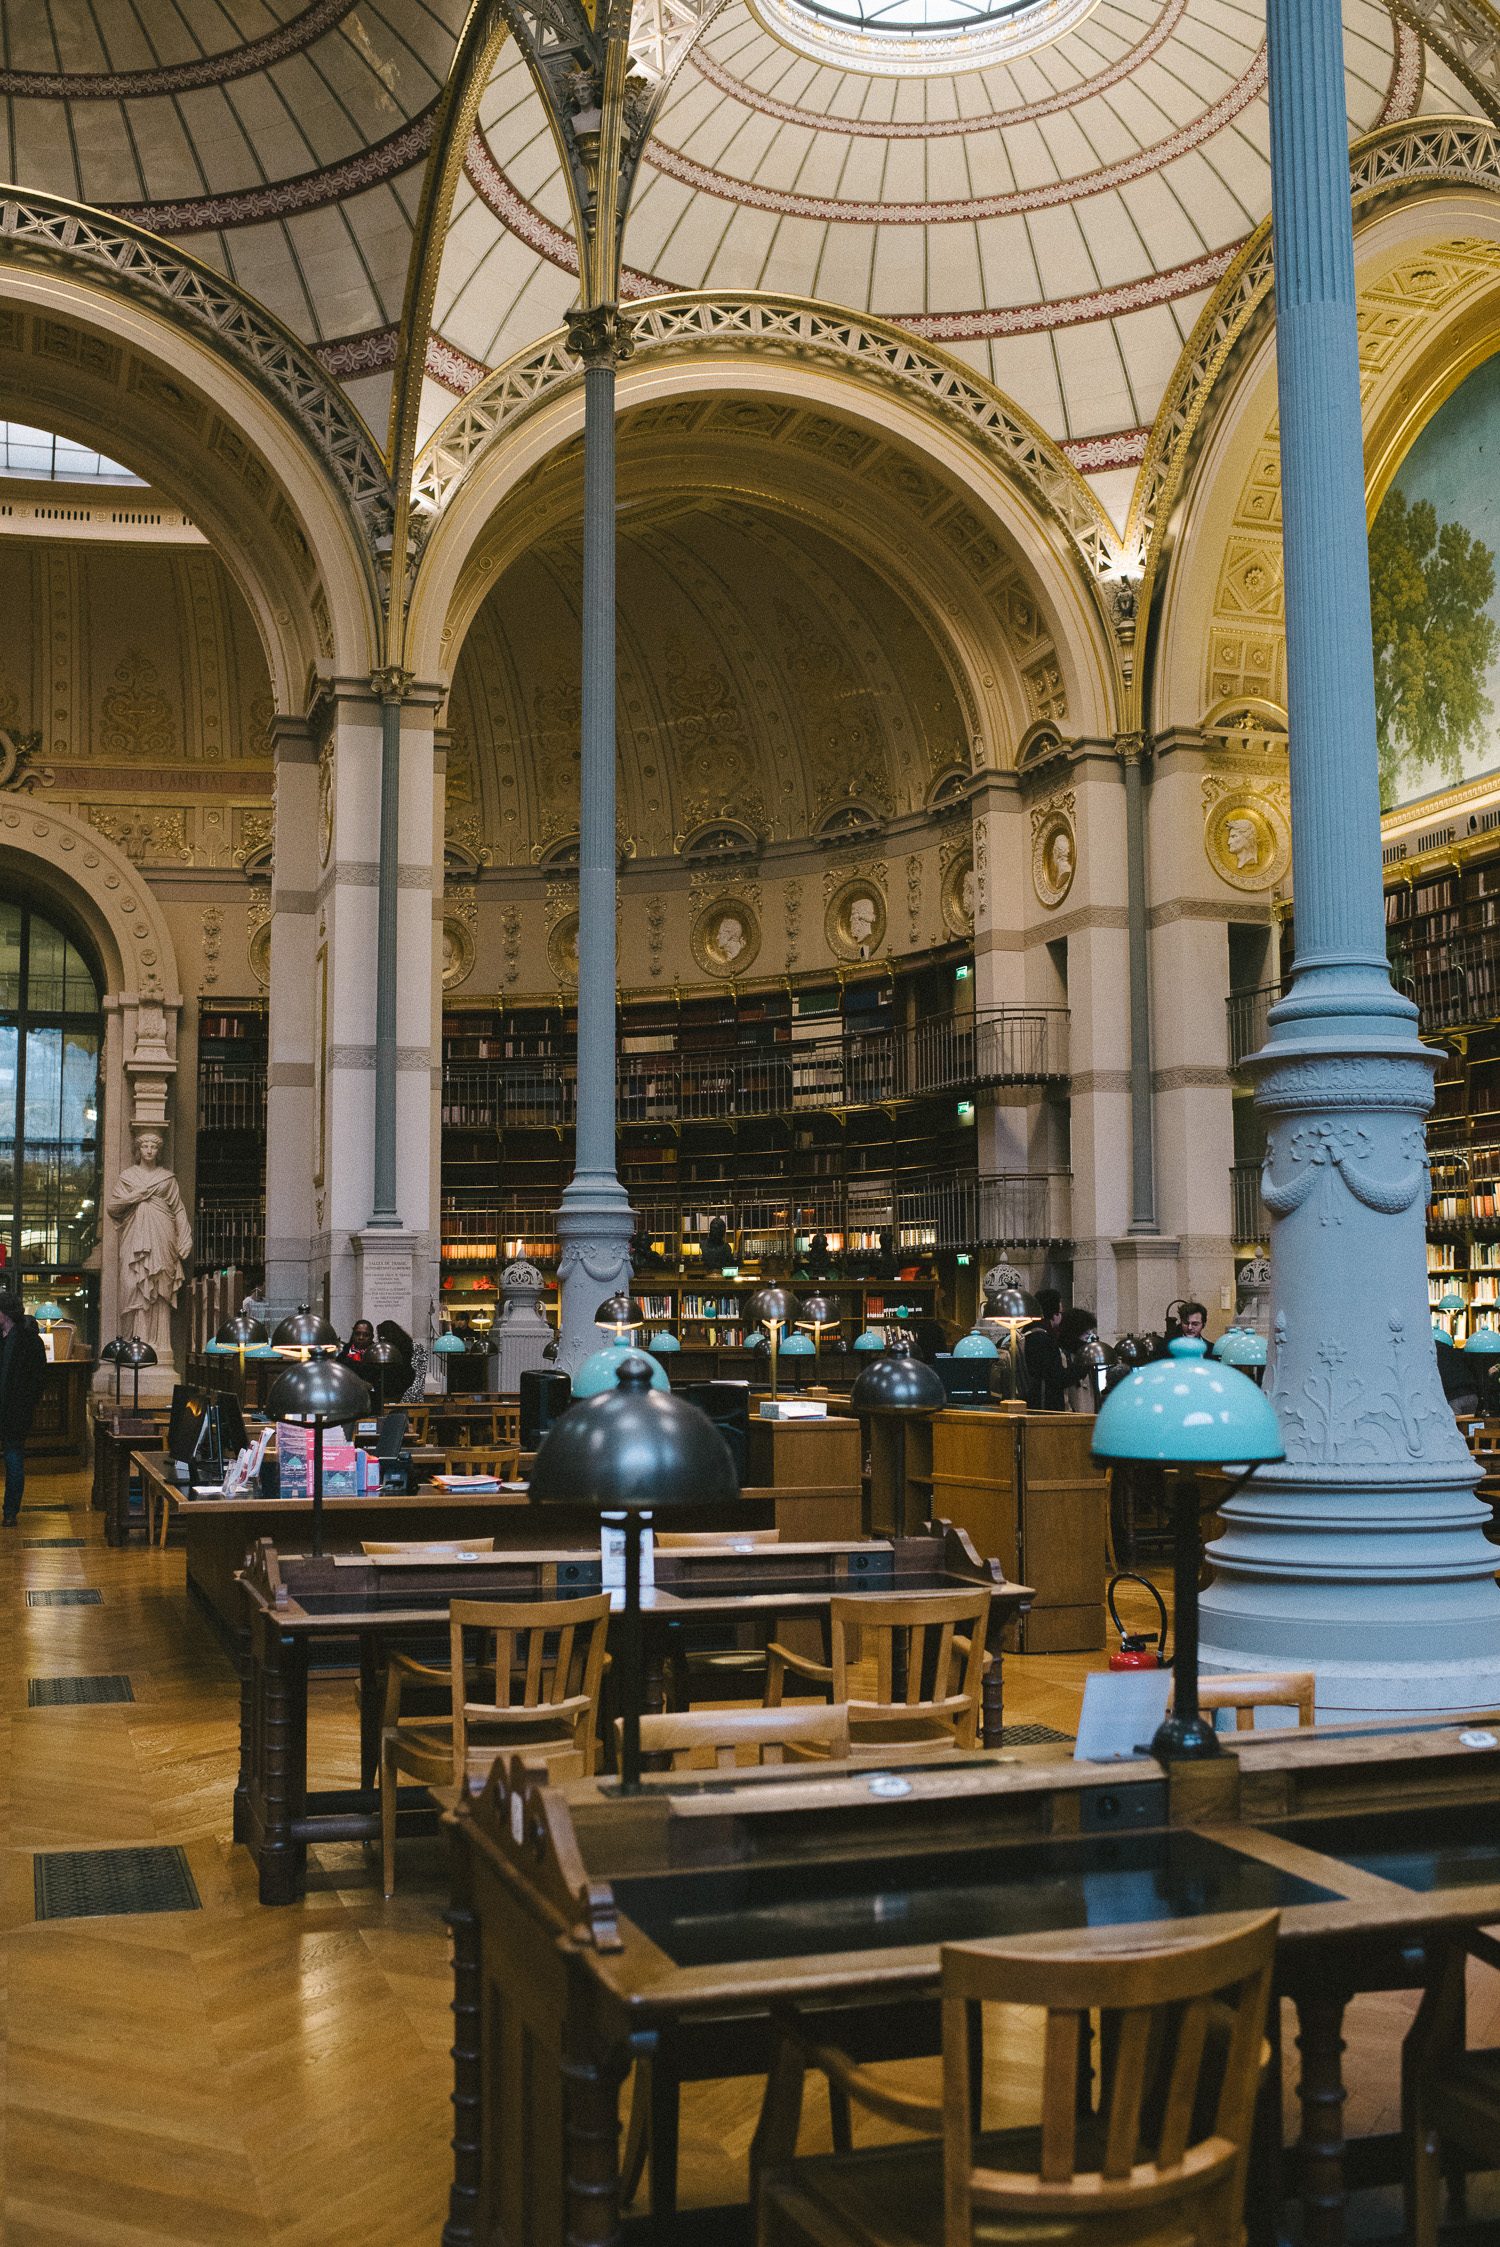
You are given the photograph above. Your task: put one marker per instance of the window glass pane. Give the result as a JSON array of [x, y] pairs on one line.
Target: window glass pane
[[80, 995], [44, 1079], [10, 954], [44, 968]]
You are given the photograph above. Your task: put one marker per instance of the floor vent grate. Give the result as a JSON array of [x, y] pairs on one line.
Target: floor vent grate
[[100, 1883], [52, 1544], [75, 1692], [1034, 1736], [65, 1599]]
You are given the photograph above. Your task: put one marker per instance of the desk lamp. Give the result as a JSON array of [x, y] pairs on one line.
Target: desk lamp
[[1247, 1350], [447, 1345], [303, 1333], [899, 1387], [1012, 1309], [622, 1315], [318, 1393], [869, 1340], [799, 1346], [976, 1344], [48, 1315], [598, 1374], [633, 1452], [392, 1371], [1484, 1342], [239, 1334], [774, 1308], [1185, 1413], [111, 1354], [820, 1313], [135, 1353], [1451, 1302], [663, 1342]]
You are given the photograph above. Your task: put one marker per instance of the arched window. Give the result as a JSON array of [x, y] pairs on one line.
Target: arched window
[[51, 1031]]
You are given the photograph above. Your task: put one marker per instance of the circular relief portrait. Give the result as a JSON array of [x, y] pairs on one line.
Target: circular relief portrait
[[1248, 842], [1054, 858], [260, 954], [726, 937], [562, 949], [855, 921], [959, 895], [458, 952]]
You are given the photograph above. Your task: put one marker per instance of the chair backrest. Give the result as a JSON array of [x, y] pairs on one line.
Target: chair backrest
[[928, 1650], [726, 1541], [720, 1732], [501, 1464], [1282, 1689], [370, 1545], [1180, 2055], [548, 1655]]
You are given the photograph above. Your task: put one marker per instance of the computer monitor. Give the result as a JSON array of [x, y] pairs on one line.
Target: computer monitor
[[545, 1397], [727, 1404], [965, 1380], [233, 1435], [390, 1435], [185, 1422]]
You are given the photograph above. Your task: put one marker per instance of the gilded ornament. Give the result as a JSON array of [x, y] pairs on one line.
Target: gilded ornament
[[725, 937], [1054, 850], [958, 895], [562, 949], [458, 951], [1245, 834]]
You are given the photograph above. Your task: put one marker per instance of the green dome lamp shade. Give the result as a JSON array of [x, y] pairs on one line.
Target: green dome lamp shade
[[1186, 1413], [48, 1314], [1440, 1334], [774, 1310], [1245, 1349], [448, 1344], [299, 1335], [636, 1451], [319, 1393], [135, 1353], [663, 1343], [600, 1372], [1484, 1342], [869, 1340], [975, 1345]]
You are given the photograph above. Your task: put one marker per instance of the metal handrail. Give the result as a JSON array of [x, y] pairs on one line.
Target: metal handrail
[[1249, 1220], [1249, 1024]]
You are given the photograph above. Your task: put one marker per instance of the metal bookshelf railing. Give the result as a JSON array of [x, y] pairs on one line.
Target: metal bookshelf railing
[[1248, 1212], [1013, 1209], [232, 1095], [1455, 982], [1248, 1027], [1010, 1045]]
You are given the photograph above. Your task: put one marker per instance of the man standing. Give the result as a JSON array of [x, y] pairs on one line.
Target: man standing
[[23, 1363], [1044, 1368]]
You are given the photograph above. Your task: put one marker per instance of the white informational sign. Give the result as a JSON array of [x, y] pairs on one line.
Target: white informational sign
[[1121, 1711]]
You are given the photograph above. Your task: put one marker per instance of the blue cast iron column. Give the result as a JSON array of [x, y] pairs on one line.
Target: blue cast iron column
[[1363, 1556], [594, 1219]]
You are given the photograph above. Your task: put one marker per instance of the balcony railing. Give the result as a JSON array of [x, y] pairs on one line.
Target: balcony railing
[[230, 1231], [1248, 1211], [232, 1096], [1455, 982], [1248, 1021], [1012, 1045]]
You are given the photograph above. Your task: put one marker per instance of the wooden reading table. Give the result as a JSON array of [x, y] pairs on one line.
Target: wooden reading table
[[593, 1926], [297, 1604]]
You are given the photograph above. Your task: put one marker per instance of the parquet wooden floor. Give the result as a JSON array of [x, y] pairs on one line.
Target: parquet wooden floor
[[233, 2076]]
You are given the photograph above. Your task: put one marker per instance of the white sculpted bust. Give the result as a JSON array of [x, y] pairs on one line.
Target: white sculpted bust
[[156, 1240]]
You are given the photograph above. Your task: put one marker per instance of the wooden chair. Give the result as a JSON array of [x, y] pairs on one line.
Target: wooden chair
[[1283, 1689], [721, 1733], [1159, 2161], [548, 1660], [707, 1541], [503, 1465], [370, 1545], [929, 1672], [1450, 2096]]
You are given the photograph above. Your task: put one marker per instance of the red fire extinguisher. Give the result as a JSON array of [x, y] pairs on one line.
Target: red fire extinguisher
[[1139, 1650]]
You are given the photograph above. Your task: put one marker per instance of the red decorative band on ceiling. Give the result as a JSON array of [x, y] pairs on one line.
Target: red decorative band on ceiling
[[526, 222], [1125, 449], [1408, 75], [372, 351], [453, 368], [179, 77], [1045, 196], [310, 191], [1045, 105]]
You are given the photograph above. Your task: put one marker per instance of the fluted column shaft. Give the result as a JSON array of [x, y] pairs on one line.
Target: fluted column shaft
[[1362, 1557]]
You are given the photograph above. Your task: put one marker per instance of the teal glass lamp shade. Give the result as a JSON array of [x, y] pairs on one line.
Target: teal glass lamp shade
[[975, 1345], [622, 1312], [448, 1344], [1186, 1412], [305, 1330], [663, 1343], [633, 1448], [1451, 1300], [896, 1382], [1484, 1342], [798, 1345], [48, 1313], [1441, 1336], [772, 1306], [869, 1340], [600, 1373], [1241, 1346]]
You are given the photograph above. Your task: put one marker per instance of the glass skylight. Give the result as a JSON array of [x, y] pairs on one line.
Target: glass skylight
[[920, 37], [45, 457]]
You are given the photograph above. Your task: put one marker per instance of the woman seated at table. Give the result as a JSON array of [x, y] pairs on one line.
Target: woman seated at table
[[360, 1343]]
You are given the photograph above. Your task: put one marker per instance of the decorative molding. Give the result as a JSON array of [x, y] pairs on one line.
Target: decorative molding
[[1247, 834], [1054, 848], [685, 325], [213, 937], [43, 232], [179, 77], [854, 919], [381, 160], [725, 936]]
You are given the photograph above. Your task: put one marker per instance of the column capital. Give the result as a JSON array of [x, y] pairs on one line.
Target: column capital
[[391, 683], [601, 335], [1133, 748]]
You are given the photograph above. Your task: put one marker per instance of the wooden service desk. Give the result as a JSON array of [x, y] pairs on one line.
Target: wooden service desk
[[118, 1433], [1025, 1487], [596, 1927], [60, 1429], [789, 1452], [296, 1604]]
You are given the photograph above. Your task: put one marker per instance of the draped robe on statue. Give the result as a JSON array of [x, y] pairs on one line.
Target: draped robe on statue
[[155, 1241]]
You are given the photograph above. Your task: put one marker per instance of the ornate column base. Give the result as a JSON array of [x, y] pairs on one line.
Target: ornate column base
[[595, 1223], [1363, 1557]]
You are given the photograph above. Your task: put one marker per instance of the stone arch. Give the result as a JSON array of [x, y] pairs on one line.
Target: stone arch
[[1027, 493], [60, 859], [113, 337], [1428, 276]]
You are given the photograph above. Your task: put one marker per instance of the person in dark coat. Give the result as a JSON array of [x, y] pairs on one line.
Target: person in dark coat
[[23, 1365], [1045, 1367]]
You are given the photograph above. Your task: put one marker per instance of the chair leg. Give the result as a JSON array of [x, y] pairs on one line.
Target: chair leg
[[1424, 2182], [839, 2120], [637, 2134], [389, 1778], [665, 2095]]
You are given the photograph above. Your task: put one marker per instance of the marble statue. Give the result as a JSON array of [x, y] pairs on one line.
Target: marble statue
[[156, 1240]]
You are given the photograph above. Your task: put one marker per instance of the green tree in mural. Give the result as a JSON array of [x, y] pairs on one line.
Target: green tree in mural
[[1430, 586]]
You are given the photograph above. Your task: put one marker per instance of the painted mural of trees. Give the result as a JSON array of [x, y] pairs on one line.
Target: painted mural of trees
[[1430, 588]]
